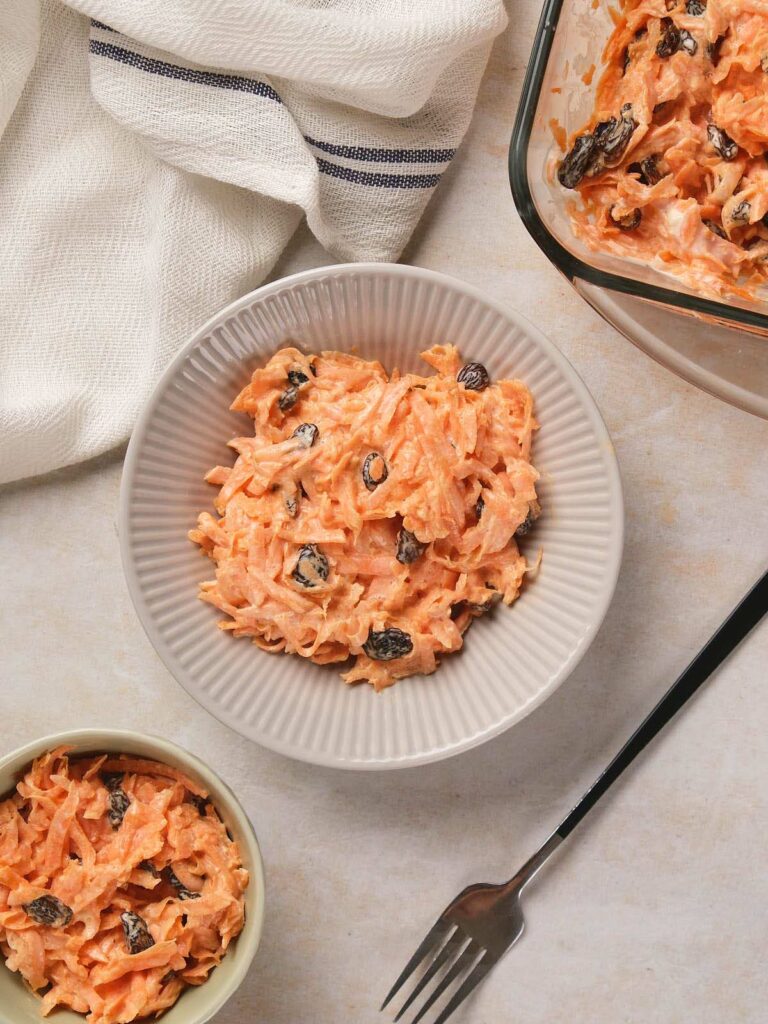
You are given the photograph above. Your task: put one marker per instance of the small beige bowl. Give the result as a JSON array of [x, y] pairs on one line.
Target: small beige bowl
[[196, 1005]]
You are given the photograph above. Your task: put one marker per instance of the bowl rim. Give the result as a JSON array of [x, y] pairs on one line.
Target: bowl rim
[[552, 352], [574, 269], [97, 740]]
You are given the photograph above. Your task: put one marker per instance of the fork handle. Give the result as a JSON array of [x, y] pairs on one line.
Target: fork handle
[[741, 620]]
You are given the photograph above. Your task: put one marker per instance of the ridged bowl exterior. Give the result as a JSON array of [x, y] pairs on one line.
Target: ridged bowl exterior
[[512, 659]]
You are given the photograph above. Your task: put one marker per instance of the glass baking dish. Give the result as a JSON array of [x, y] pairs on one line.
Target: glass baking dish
[[719, 346]]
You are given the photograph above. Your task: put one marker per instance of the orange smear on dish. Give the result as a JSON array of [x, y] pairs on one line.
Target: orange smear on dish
[[85, 842], [370, 516], [558, 133]]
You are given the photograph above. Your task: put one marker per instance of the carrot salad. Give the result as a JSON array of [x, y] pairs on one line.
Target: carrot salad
[[671, 169], [370, 516], [119, 885]]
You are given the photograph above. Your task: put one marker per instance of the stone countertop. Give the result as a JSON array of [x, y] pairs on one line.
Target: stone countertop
[[654, 911]]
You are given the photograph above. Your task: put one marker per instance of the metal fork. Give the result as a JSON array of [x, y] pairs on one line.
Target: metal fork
[[484, 921]]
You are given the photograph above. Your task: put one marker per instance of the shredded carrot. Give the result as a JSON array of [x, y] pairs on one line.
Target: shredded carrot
[[371, 516], [686, 190], [588, 75], [85, 841]]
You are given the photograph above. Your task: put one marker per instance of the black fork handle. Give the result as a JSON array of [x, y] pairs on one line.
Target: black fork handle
[[741, 620]]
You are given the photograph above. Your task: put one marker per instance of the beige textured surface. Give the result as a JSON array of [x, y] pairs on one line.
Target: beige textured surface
[[655, 909]]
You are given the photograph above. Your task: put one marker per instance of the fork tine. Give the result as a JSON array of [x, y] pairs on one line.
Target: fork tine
[[433, 938], [448, 952], [476, 975], [469, 953]]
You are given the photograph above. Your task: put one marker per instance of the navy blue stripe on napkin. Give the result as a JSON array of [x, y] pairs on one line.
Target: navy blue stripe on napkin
[[101, 25], [384, 156], [257, 88], [377, 179], [160, 67]]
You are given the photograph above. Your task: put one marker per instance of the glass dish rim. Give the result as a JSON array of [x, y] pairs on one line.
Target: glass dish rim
[[566, 262]]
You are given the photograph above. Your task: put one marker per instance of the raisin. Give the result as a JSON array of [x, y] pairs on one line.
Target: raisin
[[200, 802], [306, 434], [149, 867], [715, 228], [291, 506], [576, 163], [409, 547], [627, 222], [474, 377], [603, 131], [687, 43], [527, 524], [612, 136], [182, 891], [713, 50], [311, 567], [375, 470], [479, 507], [112, 779], [647, 169], [137, 936], [297, 377], [695, 8], [119, 802], [387, 644], [669, 42], [740, 212], [48, 910], [722, 143], [288, 399]]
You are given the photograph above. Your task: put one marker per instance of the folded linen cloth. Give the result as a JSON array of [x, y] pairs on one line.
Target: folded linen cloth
[[157, 155]]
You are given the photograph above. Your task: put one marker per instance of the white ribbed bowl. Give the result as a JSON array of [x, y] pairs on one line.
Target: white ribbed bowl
[[511, 660]]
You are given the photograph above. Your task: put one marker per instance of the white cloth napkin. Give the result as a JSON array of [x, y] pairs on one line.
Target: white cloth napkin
[[157, 155]]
